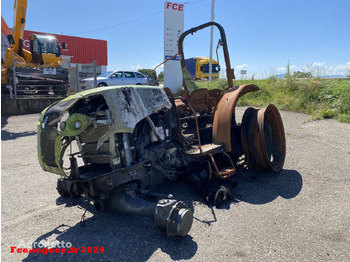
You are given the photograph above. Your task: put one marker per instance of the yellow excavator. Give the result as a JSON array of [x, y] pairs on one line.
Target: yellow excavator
[[37, 71]]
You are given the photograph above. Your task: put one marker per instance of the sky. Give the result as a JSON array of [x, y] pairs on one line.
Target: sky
[[263, 36]]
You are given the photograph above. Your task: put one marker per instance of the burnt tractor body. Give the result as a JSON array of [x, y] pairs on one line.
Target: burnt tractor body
[[114, 144]]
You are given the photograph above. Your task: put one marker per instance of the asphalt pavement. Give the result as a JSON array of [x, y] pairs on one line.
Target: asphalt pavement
[[300, 214]]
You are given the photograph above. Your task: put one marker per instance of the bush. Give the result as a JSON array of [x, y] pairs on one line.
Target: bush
[[322, 98]]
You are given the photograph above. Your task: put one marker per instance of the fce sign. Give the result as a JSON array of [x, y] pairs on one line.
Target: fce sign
[[174, 6], [173, 28]]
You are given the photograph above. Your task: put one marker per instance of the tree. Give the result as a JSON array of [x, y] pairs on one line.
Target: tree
[[161, 76], [148, 72], [299, 74], [288, 71]]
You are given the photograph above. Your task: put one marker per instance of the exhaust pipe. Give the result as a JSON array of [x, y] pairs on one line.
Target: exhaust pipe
[[169, 215]]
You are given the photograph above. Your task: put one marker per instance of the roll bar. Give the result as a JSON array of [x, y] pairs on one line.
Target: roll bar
[[229, 71]]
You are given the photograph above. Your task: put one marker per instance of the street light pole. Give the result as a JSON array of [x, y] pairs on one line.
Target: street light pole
[[211, 40]]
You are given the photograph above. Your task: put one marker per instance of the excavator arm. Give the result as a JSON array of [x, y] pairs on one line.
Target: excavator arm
[[44, 51], [15, 51], [19, 21]]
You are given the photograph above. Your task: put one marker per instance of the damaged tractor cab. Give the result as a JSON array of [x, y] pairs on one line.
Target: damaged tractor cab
[[114, 144], [127, 139]]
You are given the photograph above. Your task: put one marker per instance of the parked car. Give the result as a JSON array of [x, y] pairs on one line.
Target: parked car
[[115, 78], [152, 81]]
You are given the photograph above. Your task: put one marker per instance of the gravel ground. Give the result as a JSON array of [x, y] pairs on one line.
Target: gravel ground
[[300, 214]]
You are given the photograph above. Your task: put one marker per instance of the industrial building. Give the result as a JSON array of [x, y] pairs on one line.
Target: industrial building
[[78, 53]]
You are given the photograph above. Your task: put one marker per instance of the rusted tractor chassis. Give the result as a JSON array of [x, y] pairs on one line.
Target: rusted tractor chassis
[[114, 144]]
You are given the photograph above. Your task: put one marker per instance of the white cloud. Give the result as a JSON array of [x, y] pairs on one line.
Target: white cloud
[[343, 66], [282, 69], [136, 67], [240, 67], [318, 64], [318, 69], [322, 69]]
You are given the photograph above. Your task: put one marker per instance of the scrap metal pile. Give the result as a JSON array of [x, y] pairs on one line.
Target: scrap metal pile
[[124, 140]]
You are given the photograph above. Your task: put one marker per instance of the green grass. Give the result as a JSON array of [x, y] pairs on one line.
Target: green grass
[[321, 98]]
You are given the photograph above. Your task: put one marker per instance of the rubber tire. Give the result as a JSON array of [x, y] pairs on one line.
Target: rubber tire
[[101, 85], [61, 189]]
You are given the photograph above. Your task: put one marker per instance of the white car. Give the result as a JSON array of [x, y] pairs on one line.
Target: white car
[[115, 78]]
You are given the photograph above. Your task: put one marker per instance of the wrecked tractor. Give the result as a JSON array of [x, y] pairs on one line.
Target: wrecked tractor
[[114, 144]]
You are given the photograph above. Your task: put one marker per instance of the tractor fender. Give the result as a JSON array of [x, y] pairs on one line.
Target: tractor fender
[[224, 112]]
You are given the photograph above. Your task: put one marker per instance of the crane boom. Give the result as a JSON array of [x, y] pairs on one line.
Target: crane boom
[[19, 21]]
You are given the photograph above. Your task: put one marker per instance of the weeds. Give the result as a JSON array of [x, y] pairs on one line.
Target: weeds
[[322, 98]]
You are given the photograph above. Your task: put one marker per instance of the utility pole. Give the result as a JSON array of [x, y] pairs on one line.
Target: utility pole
[[94, 65], [211, 40]]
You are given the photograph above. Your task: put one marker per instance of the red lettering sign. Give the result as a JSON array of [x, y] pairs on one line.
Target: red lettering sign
[[175, 6]]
